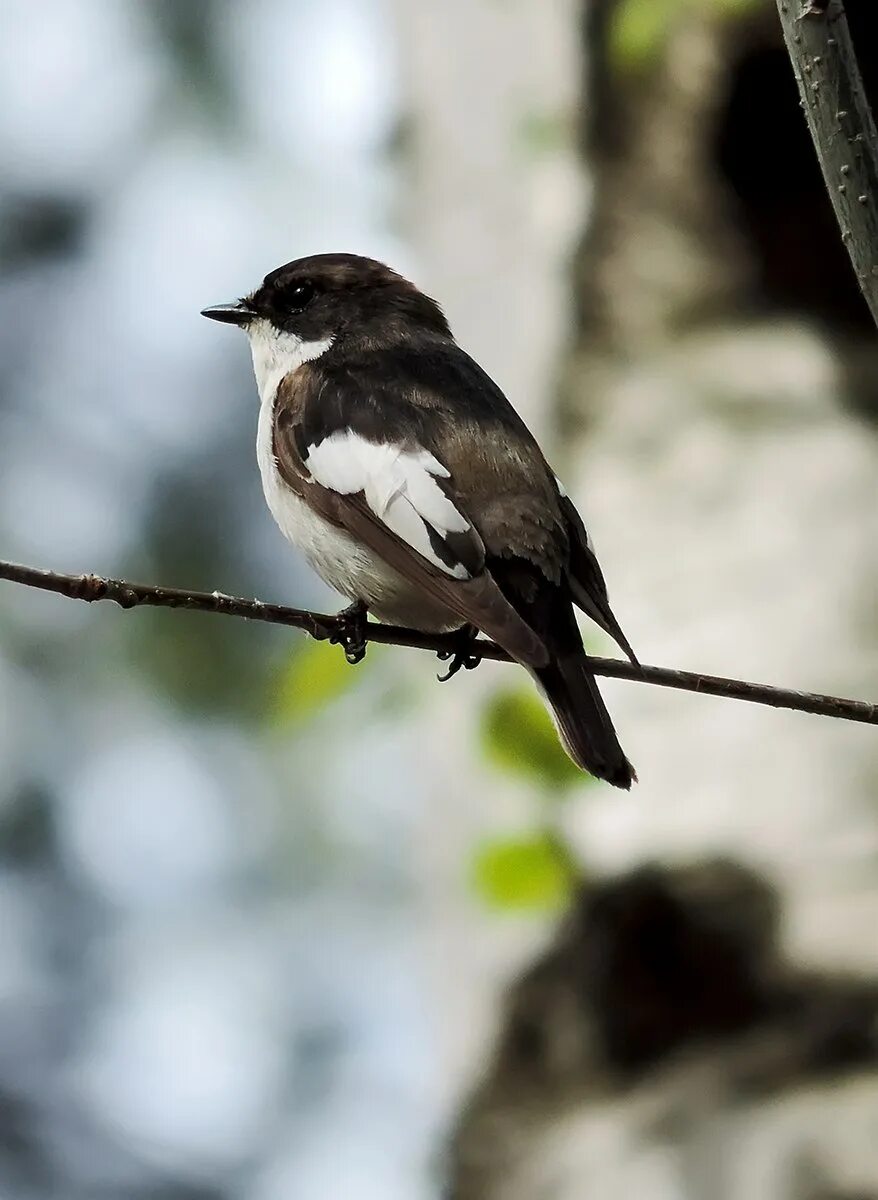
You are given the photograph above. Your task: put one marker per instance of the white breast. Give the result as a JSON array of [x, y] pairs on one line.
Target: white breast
[[332, 553]]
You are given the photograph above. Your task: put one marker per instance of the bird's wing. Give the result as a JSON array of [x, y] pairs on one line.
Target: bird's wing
[[587, 585], [361, 451]]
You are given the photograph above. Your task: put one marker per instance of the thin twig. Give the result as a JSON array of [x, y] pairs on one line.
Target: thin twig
[[825, 64], [321, 626]]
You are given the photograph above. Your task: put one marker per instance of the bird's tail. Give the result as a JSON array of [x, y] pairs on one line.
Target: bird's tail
[[583, 722]]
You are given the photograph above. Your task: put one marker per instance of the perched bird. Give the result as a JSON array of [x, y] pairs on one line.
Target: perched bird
[[413, 487]]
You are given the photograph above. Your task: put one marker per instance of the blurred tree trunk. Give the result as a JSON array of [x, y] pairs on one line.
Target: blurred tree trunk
[[716, 394], [495, 197]]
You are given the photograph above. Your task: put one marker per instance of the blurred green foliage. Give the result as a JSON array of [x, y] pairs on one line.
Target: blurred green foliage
[[639, 27], [316, 675], [523, 873], [544, 132], [206, 665], [518, 736]]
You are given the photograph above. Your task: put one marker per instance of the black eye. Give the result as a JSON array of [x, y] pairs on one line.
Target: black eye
[[298, 295]]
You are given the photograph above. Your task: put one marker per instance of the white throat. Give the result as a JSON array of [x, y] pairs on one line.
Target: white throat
[[276, 354]]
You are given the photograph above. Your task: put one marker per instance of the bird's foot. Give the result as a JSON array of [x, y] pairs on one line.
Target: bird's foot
[[350, 631], [462, 652]]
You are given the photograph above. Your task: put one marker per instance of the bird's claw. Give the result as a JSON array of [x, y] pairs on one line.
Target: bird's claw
[[350, 632], [462, 652]]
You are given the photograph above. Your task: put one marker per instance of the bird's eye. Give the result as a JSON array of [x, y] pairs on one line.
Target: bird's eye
[[299, 295]]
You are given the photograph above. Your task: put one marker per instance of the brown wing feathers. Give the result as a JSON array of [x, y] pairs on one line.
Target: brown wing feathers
[[525, 547], [478, 601], [587, 585]]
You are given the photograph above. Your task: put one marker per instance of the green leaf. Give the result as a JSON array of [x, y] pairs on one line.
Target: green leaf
[[639, 27], [523, 873], [542, 133], [518, 736], [316, 675]]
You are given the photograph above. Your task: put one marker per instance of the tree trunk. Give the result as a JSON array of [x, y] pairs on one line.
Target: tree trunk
[[715, 396]]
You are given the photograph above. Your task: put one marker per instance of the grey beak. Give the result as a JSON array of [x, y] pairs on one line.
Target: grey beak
[[238, 313]]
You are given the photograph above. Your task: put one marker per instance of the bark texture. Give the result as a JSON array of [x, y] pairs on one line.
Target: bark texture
[[663, 1045], [842, 126]]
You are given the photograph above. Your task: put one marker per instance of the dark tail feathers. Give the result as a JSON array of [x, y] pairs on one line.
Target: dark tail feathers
[[582, 718]]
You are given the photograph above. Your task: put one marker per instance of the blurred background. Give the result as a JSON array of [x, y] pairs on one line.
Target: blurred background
[[271, 927]]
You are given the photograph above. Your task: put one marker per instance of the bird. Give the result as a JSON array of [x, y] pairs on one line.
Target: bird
[[414, 488]]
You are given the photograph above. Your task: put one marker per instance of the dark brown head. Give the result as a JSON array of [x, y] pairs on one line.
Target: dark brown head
[[333, 295]]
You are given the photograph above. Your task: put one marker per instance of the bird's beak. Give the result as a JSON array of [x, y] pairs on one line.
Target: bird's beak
[[239, 313]]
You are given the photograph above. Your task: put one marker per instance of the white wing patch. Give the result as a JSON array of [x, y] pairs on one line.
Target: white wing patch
[[399, 486]]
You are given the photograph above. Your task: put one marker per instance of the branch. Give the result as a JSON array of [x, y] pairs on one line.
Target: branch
[[322, 626], [822, 52]]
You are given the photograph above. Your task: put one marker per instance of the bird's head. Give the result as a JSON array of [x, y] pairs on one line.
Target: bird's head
[[328, 296]]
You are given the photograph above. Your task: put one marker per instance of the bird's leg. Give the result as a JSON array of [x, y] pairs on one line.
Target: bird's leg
[[462, 651], [350, 631]]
